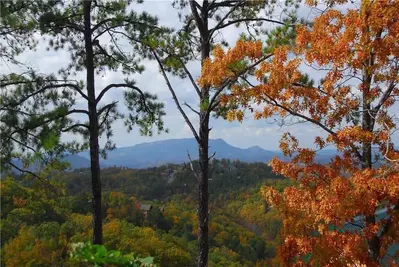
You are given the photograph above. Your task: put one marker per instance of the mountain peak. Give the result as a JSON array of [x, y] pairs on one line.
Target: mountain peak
[[255, 148], [176, 151], [218, 140]]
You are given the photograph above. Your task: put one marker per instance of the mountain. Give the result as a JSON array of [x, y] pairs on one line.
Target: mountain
[[176, 151], [75, 161]]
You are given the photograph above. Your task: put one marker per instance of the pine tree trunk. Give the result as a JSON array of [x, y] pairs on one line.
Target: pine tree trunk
[[203, 200], [93, 128], [203, 145]]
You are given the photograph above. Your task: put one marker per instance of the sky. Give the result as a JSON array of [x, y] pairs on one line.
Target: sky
[[250, 132]]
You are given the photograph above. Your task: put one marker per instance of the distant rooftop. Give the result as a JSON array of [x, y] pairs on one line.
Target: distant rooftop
[[145, 207]]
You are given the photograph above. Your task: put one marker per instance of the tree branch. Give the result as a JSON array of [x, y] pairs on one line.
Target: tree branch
[[106, 107], [105, 118], [306, 118], [245, 20], [75, 126], [192, 166], [22, 144], [118, 85], [212, 156], [73, 111], [227, 81], [175, 97], [384, 97], [81, 111], [103, 22], [193, 110], [190, 77], [212, 31], [230, 3], [33, 174], [52, 86], [197, 18]]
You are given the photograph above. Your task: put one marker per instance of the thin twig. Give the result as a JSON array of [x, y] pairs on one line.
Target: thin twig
[[33, 174], [191, 165], [175, 97], [193, 110]]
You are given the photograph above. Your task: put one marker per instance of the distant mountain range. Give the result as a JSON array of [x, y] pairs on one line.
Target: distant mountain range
[[176, 151], [75, 161]]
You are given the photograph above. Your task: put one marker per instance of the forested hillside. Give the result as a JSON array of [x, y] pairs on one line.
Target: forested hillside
[[38, 225]]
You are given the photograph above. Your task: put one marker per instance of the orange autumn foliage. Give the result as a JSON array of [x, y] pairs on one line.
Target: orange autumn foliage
[[356, 50]]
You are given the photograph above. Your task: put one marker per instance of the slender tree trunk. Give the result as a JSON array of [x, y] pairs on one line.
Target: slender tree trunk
[[203, 198], [203, 146], [374, 243], [93, 127]]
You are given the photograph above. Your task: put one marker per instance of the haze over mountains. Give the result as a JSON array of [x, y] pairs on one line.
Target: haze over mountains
[[176, 151]]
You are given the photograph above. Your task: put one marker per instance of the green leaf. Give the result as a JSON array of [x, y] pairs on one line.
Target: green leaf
[[114, 254], [204, 105], [101, 251], [50, 140]]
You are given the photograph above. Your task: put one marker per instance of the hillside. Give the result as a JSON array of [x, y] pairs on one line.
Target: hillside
[[164, 181], [243, 230]]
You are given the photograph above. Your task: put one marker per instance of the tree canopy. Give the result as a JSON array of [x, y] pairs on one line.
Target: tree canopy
[[354, 105]]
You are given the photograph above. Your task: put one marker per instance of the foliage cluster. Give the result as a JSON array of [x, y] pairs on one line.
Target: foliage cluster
[[39, 226]]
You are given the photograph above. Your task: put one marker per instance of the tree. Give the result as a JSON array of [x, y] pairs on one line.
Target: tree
[[17, 27], [354, 105], [80, 27], [89, 21], [32, 105], [193, 42]]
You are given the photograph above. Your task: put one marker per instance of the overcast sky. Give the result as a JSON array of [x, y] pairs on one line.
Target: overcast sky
[[248, 133]]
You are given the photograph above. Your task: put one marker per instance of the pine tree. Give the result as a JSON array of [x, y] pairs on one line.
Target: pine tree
[[33, 106], [80, 27]]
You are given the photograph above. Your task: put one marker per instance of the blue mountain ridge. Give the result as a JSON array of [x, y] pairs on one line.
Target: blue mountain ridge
[[176, 151]]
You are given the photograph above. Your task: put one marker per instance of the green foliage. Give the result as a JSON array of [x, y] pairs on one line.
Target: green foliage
[[32, 118], [18, 25], [99, 255], [153, 183], [50, 140], [204, 104]]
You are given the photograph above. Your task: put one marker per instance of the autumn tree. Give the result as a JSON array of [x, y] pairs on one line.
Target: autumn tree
[[203, 25], [356, 50], [82, 28]]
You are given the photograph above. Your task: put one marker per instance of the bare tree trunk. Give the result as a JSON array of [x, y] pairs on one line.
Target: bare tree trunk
[[374, 243], [203, 147], [203, 246], [93, 128]]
